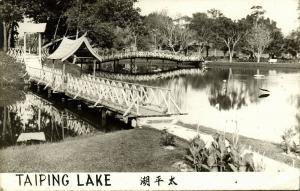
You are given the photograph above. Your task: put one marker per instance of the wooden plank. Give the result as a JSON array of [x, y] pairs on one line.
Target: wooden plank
[[38, 136]]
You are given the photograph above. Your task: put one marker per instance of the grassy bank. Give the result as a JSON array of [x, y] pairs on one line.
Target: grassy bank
[[123, 151], [269, 149], [254, 65], [11, 79]]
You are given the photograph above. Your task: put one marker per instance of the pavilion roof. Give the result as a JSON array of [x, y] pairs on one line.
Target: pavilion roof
[[68, 47]]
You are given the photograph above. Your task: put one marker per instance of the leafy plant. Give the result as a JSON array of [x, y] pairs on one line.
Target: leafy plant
[[288, 144], [167, 139], [218, 156]]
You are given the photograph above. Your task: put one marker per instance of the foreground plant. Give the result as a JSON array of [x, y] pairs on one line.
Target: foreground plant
[[167, 139], [288, 144], [219, 156]]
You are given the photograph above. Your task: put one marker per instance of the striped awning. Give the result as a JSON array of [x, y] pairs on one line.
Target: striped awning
[[68, 47]]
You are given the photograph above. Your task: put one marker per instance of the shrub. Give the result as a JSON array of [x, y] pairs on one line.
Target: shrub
[[288, 144], [218, 156], [167, 139]]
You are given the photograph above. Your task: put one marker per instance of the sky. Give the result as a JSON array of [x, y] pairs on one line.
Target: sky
[[284, 12]]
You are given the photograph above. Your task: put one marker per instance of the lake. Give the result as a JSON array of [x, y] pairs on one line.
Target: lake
[[259, 104], [238, 100]]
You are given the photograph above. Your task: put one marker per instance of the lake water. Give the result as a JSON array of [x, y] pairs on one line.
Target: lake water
[[37, 116], [233, 100], [224, 99]]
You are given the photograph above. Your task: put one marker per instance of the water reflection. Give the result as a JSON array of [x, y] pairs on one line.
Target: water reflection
[[227, 98], [37, 120]]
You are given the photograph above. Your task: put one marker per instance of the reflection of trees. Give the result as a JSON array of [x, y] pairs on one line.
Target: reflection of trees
[[179, 88], [232, 99], [235, 93]]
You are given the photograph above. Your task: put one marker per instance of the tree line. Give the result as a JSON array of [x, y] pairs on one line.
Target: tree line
[[117, 25]]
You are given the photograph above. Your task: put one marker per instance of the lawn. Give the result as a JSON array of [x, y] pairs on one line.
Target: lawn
[[11, 81], [135, 150]]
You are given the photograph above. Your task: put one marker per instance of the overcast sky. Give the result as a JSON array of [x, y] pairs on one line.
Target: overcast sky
[[284, 12]]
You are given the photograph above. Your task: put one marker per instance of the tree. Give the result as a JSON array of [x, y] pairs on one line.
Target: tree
[[50, 12], [214, 13], [229, 33], [202, 25], [177, 38], [1, 34], [292, 43], [259, 39], [101, 17], [156, 23], [275, 48], [11, 11]]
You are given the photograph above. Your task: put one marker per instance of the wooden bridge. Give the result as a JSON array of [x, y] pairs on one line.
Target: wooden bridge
[[128, 99], [18, 53], [151, 55]]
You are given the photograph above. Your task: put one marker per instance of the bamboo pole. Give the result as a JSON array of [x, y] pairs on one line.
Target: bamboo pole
[[40, 47]]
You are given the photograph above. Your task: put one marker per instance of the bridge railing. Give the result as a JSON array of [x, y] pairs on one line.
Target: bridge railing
[[18, 53], [129, 98], [50, 77], [148, 54]]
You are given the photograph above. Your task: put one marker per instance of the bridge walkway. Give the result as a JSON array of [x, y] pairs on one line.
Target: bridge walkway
[[129, 99]]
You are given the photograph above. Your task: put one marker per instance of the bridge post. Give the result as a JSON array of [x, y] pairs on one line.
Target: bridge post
[[94, 69], [38, 88], [65, 80], [114, 66], [103, 116], [49, 93]]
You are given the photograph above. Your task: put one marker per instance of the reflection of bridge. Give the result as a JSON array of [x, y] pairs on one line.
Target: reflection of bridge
[[130, 100], [149, 77], [64, 119]]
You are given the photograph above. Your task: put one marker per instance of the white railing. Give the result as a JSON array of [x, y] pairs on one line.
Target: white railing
[[148, 54], [18, 53], [128, 98]]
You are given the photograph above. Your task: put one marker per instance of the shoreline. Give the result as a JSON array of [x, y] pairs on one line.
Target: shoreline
[[252, 65], [268, 149]]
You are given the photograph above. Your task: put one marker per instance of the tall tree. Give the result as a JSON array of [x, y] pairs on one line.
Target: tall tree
[[11, 11], [101, 17], [229, 33], [50, 12], [259, 39], [156, 23], [1, 34], [292, 43], [202, 24]]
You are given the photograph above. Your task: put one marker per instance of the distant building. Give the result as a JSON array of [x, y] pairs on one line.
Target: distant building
[[182, 21]]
